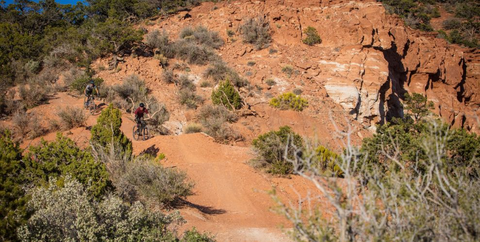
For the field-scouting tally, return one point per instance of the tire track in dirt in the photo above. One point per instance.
(231, 198)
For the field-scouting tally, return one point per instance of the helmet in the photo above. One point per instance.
(142, 105)
(92, 82)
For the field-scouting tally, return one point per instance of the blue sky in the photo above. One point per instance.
(58, 1)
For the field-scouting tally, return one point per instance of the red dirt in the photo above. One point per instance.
(231, 199)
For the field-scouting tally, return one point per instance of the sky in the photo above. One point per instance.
(58, 1)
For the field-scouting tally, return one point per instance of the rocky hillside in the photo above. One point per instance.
(366, 62)
(356, 78)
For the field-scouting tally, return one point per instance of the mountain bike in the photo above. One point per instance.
(140, 129)
(90, 105)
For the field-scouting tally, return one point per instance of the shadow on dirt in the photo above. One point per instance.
(203, 209)
(152, 150)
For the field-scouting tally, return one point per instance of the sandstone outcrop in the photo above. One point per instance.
(366, 62)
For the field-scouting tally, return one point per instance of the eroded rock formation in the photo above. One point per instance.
(366, 62)
(369, 59)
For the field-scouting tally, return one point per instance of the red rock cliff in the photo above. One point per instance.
(366, 63)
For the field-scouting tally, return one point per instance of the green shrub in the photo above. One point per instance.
(312, 36)
(458, 37)
(227, 96)
(289, 101)
(112, 36)
(107, 131)
(272, 147)
(467, 9)
(412, 160)
(186, 33)
(13, 212)
(159, 157)
(65, 213)
(417, 106)
(409, 138)
(62, 157)
(325, 161)
(194, 236)
(72, 117)
(256, 32)
(416, 14)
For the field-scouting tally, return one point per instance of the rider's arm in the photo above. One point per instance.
(135, 114)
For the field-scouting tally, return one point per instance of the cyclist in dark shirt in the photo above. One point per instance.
(89, 91)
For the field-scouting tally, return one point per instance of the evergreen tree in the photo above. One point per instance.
(107, 131)
(12, 196)
(227, 96)
(62, 157)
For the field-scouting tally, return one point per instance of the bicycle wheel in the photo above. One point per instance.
(145, 132)
(136, 134)
(92, 108)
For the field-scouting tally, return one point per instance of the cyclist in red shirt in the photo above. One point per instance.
(139, 112)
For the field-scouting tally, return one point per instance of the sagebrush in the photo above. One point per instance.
(289, 101)
(256, 31)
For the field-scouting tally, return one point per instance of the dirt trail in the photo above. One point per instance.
(231, 198)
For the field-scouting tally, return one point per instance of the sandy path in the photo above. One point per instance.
(230, 199)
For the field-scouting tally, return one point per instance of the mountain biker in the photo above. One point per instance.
(139, 112)
(89, 91)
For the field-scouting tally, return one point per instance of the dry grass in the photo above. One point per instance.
(72, 117)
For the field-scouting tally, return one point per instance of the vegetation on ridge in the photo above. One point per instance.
(463, 28)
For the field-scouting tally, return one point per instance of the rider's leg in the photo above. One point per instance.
(138, 126)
